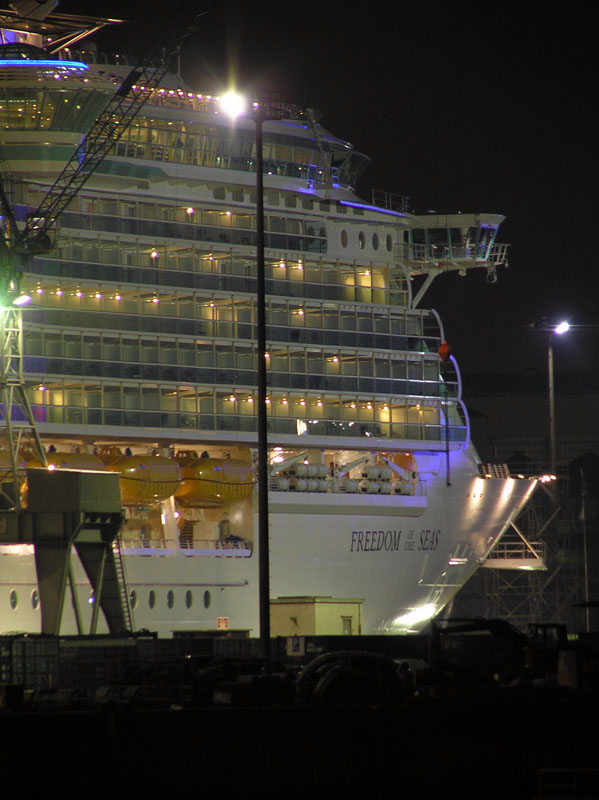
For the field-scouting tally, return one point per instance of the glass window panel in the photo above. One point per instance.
(111, 349)
(168, 399)
(130, 350)
(330, 319)
(131, 397)
(53, 344)
(398, 368)
(348, 364)
(112, 395)
(365, 365)
(92, 347)
(382, 368)
(187, 353)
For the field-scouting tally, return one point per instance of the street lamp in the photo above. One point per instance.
(234, 105)
(552, 330)
(557, 330)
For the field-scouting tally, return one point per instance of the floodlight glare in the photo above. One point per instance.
(21, 300)
(233, 104)
(563, 327)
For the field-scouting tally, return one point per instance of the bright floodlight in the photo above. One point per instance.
(563, 327)
(233, 104)
(21, 300)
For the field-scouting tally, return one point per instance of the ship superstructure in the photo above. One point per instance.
(140, 357)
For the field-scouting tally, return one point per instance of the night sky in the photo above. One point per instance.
(462, 107)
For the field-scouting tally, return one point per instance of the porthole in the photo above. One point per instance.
(375, 241)
(14, 600)
(207, 599)
(133, 598)
(170, 598)
(361, 240)
(389, 242)
(188, 599)
(344, 238)
(35, 599)
(152, 598)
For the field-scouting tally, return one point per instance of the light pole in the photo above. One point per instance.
(558, 330)
(552, 330)
(234, 105)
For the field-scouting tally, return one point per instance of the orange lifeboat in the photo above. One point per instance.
(406, 482)
(146, 479)
(405, 461)
(213, 482)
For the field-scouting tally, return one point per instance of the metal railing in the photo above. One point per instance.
(231, 544)
(495, 254)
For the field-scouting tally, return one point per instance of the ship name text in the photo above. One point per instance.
(375, 540)
(370, 541)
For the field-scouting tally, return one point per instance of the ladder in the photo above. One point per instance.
(122, 581)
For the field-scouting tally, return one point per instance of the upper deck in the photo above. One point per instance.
(144, 312)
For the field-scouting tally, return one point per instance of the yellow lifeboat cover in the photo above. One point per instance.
(214, 482)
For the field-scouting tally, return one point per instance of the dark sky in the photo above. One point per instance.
(463, 107)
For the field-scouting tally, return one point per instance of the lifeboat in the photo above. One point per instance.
(146, 479)
(407, 481)
(212, 482)
(405, 461)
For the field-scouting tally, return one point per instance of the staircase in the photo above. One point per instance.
(122, 581)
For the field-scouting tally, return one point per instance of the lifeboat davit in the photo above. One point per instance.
(213, 482)
(146, 479)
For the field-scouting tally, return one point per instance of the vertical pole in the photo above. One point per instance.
(447, 457)
(551, 389)
(583, 515)
(263, 554)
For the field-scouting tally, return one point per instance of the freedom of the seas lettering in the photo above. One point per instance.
(369, 541)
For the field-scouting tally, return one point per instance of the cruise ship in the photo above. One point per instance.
(140, 358)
